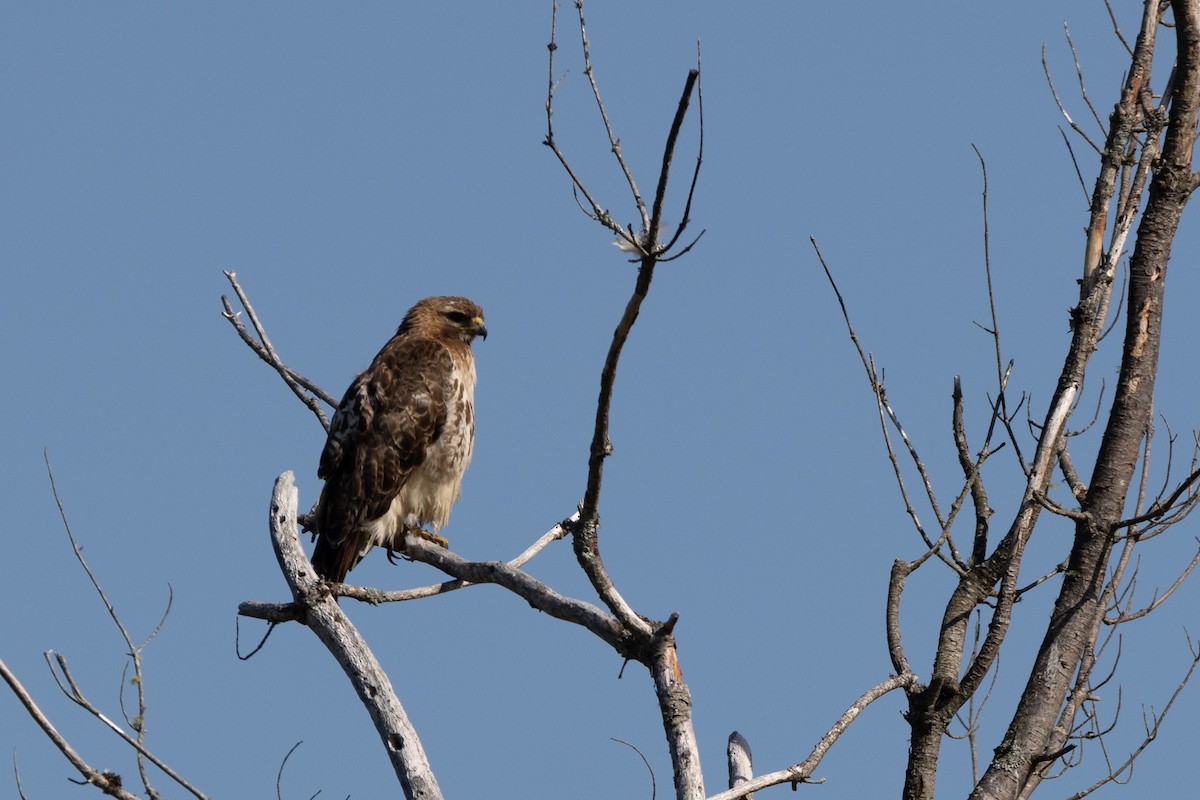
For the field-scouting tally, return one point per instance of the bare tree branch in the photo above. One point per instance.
(308, 392)
(1159, 599)
(1126, 767)
(138, 722)
(1082, 85)
(613, 141)
(333, 628)
(886, 414)
(597, 213)
(1062, 109)
(741, 763)
(528, 588)
(1076, 613)
(282, 765)
(107, 782)
(646, 761)
(802, 772)
(71, 689)
(287, 612)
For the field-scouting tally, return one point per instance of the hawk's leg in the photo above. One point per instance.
(440, 541)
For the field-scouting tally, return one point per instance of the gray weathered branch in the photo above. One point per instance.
(333, 628)
(741, 762)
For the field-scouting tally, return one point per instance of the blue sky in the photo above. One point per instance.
(349, 160)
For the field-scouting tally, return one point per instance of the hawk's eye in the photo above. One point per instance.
(457, 317)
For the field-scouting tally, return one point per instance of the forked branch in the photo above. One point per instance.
(309, 393)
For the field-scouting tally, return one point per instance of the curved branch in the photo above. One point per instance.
(341, 638)
(584, 534)
(900, 572)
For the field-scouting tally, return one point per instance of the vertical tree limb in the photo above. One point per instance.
(1078, 609)
(741, 763)
(675, 703)
(326, 619)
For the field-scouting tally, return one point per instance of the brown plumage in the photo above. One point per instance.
(401, 438)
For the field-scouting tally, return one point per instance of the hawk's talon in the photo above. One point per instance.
(440, 541)
(393, 555)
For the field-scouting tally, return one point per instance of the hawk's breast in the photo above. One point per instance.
(434, 485)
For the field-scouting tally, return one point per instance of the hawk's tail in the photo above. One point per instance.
(329, 561)
(332, 556)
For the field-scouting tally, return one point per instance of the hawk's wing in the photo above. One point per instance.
(380, 433)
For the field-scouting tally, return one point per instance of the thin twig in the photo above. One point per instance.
(687, 206)
(17, 777)
(134, 651)
(1062, 109)
(307, 391)
(108, 782)
(886, 413)
(1075, 163)
(613, 141)
(71, 690)
(649, 769)
(1151, 734)
(1158, 599)
(597, 213)
(1117, 28)
(282, 764)
(1082, 86)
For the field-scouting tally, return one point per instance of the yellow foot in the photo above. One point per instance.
(440, 541)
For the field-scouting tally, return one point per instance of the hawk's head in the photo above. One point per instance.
(445, 318)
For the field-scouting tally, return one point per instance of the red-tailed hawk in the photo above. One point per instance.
(401, 438)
